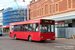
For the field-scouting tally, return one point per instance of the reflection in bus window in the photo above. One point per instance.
(52, 28)
(35, 27)
(15, 28)
(49, 28)
(45, 28)
(29, 27)
(25, 28)
(20, 28)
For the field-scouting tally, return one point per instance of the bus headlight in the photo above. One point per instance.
(41, 37)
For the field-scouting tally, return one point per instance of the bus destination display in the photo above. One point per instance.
(48, 21)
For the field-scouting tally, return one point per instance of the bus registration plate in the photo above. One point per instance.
(48, 39)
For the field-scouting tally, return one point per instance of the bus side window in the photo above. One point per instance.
(29, 27)
(16, 28)
(20, 28)
(35, 27)
(25, 28)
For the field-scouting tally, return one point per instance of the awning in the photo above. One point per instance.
(7, 26)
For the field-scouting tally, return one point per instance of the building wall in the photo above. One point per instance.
(14, 15)
(1, 17)
(45, 8)
(1, 21)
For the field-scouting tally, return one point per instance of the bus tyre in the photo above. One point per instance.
(29, 38)
(15, 37)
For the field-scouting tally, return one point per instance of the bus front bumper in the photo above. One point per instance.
(46, 39)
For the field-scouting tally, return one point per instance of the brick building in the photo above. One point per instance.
(62, 11)
(43, 8)
(59, 10)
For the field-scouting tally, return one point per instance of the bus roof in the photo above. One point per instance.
(28, 22)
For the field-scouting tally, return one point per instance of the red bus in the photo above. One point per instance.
(33, 30)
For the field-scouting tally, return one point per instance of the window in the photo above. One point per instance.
(25, 28)
(37, 12)
(60, 25)
(51, 9)
(15, 28)
(69, 4)
(52, 28)
(66, 25)
(36, 0)
(11, 27)
(20, 28)
(56, 7)
(49, 28)
(56, 26)
(42, 11)
(35, 27)
(63, 25)
(31, 14)
(45, 28)
(46, 9)
(29, 27)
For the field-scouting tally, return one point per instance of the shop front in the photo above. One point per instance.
(65, 28)
(6, 29)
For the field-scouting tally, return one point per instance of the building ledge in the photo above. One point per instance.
(64, 16)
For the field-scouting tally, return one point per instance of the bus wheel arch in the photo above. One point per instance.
(15, 37)
(29, 38)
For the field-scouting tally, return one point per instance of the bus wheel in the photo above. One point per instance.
(29, 38)
(15, 37)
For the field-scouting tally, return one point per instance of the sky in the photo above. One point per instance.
(10, 3)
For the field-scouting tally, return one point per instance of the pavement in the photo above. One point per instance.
(65, 41)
